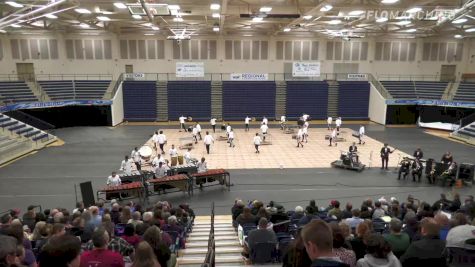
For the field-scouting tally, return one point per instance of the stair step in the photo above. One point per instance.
(216, 233)
(229, 259)
(198, 244)
(217, 238)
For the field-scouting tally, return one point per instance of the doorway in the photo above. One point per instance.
(25, 71)
(129, 68)
(447, 73)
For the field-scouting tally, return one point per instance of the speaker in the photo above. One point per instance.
(466, 172)
(87, 194)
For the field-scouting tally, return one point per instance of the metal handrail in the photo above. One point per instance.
(408, 77)
(379, 86)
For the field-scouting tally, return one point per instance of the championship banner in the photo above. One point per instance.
(357, 76)
(190, 69)
(430, 103)
(249, 76)
(306, 69)
(35, 105)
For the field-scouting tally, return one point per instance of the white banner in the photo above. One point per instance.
(134, 76)
(249, 76)
(190, 69)
(306, 69)
(357, 76)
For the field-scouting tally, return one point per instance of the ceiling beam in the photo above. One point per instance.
(222, 18)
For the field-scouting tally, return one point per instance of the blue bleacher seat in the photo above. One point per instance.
(465, 92)
(16, 92)
(400, 89)
(250, 98)
(189, 98)
(430, 90)
(353, 99)
(140, 100)
(310, 97)
(75, 89)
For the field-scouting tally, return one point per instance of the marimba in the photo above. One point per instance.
(220, 175)
(179, 181)
(130, 190)
(187, 169)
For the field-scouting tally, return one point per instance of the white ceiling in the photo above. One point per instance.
(286, 18)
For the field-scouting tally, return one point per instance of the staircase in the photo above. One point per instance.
(217, 99)
(162, 100)
(465, 134)
(332, 109)
(228, 249)
(38, 91)
(280, 99)
(450, 91)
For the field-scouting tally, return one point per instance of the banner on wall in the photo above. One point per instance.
(430, 103)
(306, 69)
(357, 76)
(134, 76)
(52, 104)
(190, 69)
(249, 76)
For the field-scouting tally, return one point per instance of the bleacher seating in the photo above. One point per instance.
(140, 100)
(465, 92)
(75, 89)
(310, 97)
(468, 130)
(15, 92)
(19, 128)
(400, 89)
(254, 99)
(430, 90)
(353, 99)
(189, 98)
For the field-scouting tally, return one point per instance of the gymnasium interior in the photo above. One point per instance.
(83, 83)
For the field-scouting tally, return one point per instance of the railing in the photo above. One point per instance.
(116, 85)
(60, 77)
(379, 86)
(210, 255)
(467, 120)
(31, 120)
(405, 77)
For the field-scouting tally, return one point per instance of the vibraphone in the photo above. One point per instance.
(220, 175)
(182, 182)
(182, 169)
(123, 191)
(137, 176)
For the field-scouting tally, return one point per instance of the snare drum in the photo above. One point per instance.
(146, 152)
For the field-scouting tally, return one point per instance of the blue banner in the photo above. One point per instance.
(446, 103)
(52, 104)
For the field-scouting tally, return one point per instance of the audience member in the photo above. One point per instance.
(101, 255)
(246, 217)
(297, 215)
(378, 253)
(399, 241)
(8, 251)
(358, 243)
(443, 221)
(153, 237)
(347, 213)
(296, 254)
(378, 210)
(130, 236)
(260, 235)
(355, 219)
(61, 251)
(341, 247)
(335, 210)
(144, 256)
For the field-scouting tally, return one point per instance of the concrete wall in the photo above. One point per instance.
(377, 106)
(116, 65)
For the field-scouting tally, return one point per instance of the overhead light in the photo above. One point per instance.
(215, 6)
(105, 12)
(148, 24)
(13, 4)
(15, 25)
(356, 13)
(149, 34)
(458, 21)
(173, 7)
(257, 19)
(135, 16)
(51, 16)
(382, 19)
(326, 8)
(103, 18)
(458, 36)
(120, 5)
(265, 9)
(247, 35)
(403, 22)
(82, 11)
(216, 15)
(414, 10)
(3, 31)
(470, 30)
(155, 28)
(84, 26)
(411, 30)
(216, 28)
(307, 17)
(334, 22)
(247, 27)
(178, 19)
(286, 29)
(389, 1)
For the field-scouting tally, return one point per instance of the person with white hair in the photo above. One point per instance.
(298, 214)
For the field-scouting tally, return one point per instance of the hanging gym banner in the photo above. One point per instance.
(306, 69)
(190, 69)
(52, 104)
(249, 76)
(430, 103)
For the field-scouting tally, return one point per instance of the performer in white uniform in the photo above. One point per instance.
(161, 140)
(114, 180)
(265, 120)
(195, 134)
(161, 170)
(329, 123)
(213, 124)
(198, 127)
(231, 138)
(257, 142)
(300, 136)
(154, 140)
(228, 129)
(282, 122)
(173, 152)
(208, 140)
(338, 124)
(264, 129)
(126, 165)
(187, 156)
(305, 117)
(135, 156)
(305, 131)
(246, 123)
(361, 135)
(182, 122)
(333, 137)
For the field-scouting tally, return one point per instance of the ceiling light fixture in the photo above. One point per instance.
(173, 7)
(265, 9)
(149, 34)
(216, 28)
(403, 22)
(120, 5)
(178, 19)
(84, 26)
(135, 16)
(148, 24)
(381, 20)
(51, 16)
(411, 30)
(103, 18)
(257, 19)
(388, 2)
(247, 35)
(216, 15)
(3, 31)
(470, 30)
(215, 6)
(15, 25)
(307, 17)
(286, 29)
(82, 11)
(13, 4)
(414, 10)
(458, 36)
(334, 22)
(326, 8)
(458, 21)
(356, 13)
(155, 28)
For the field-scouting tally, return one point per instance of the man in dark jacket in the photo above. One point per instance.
(429, 251)
(318, 240)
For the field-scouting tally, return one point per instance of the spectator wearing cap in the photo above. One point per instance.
(61, 251)
(101, 255)
(335, 211)
(429, 251)
(347, 212)
(318, 240)
(378, 253)
(399, 241)
(260, 235)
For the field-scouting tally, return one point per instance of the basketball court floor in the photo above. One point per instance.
(281, 172)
